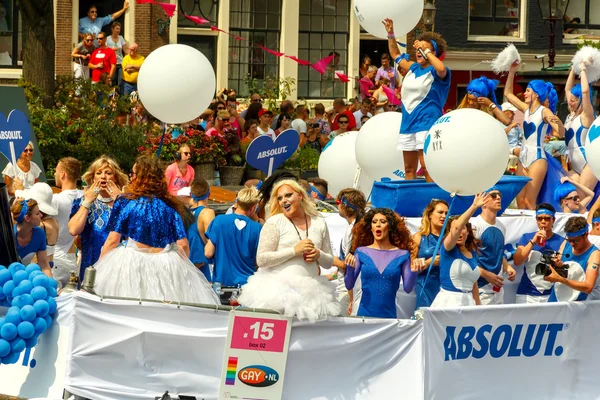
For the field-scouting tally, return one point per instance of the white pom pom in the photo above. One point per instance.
(590, 57)
(505, 59)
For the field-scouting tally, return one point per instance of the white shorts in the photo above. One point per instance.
(491, 298)
(528, 299)
(411, 141)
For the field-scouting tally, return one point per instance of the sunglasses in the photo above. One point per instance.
(575, 240)
(495, 196)
(256, 101)
(89, 40)
(28, 151)
(343, 122)
(543, 218)
(574, 198)
(186, 153)
(220, 108)
(101, 38)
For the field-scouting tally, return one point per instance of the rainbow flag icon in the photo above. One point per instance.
(232, 364)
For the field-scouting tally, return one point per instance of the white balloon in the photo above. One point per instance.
(405, 14)
(376, 147)
(176, 83)
(466, 151)
(338, 166)
(592, 147)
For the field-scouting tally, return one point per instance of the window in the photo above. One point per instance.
(324, 27)
(581, 20)
(10, 34)
(497, 20)
(207, 9)
(207, 45)
(257, 22)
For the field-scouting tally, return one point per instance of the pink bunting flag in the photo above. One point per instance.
(214, 28)
(144, 1)
(238, 38)
(298, 60)
(343, 77)
(365, 86)
(275, 53)
(168, 8)
(321, 65)
(196, 20)
(391, 95)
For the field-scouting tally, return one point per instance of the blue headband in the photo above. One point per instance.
(199, 198)
(24, 209)
(597, 219)
(259, 185)
(435, 47)
(315, 191)
(347, 203)
(580, 232)
(545, 211)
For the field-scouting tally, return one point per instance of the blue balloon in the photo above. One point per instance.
(26, 286)
(28, 299)
(5, 276)
(18, 301)
(52, 292)
(26, 330)
(53, 283)
(34, 274)
(2, 267)
(11, 358)
(2, 320)
(13, 316)
(48, 320)
(40, 325)
(41, 280)
(17, 345)
(8, 288)
(32, 341)
(4, 347)
(32, 267)
(20, 276)
(39, 293)
(2, 295)
(8, 331)
(28, 313)
(51, 305)
(12, 268)
(41, 308)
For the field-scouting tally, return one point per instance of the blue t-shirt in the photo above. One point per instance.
(457, 272)
(87, 26)
(37, 243)
(424, 94)
(235, 238)
(532, 284)
(492, 246)
(427, 287)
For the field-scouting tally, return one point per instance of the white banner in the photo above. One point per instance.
(125, 350)
(513, 352)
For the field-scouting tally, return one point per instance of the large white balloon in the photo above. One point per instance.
(176, 83)
(592, 147)
(338, 166)
(405, 14)
(376, 147)
(466, 151)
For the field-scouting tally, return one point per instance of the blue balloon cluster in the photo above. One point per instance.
(29, 294)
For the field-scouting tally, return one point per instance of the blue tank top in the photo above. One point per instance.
(197, 244)
(577, 270)
(457, 272)
(532, 284)
(426, 290)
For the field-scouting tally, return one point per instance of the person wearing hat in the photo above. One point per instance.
(264, 128)
(513, 129)
(42, 193)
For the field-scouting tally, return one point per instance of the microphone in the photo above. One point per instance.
(423, 54)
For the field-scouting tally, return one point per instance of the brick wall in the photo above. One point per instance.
(146, 28)
(64, 41)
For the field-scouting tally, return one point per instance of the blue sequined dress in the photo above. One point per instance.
(161, 272)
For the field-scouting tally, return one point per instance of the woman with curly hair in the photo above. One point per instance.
(89, 214)
(382, 247)
(424, 92)
(153, 263)
(459, 265)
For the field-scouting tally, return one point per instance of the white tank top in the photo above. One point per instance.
(534, 127)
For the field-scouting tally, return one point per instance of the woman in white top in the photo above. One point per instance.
(116, 42)
(27, 172)
(379, 94)
(293, 243)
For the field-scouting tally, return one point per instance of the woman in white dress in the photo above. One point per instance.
(293, 243)
(27, 172)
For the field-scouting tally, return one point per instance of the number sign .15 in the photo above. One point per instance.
(258, 334)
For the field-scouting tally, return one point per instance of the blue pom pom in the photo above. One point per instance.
(26, 330)
(5, 276)
(8, 288)
(53, 283)
(41, 308)
(28, 313)
(20, 276)
(39, 293)
(41, 280)
(40, 326)
(11, 358)
(17, 345)
(48, 320)
(26, 286)
(34, 274)
(51, 305)
(13, 316)
(32, 267)
(8, 331)
(4, 348)
(32, 341)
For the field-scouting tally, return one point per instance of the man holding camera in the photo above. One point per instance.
(535, 248)
(575, 274)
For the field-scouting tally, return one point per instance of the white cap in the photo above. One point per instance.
(42, 193)
(508, 106)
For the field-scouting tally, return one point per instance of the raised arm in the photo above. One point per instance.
(435, 62)
(588, 193)
(458, 224)
(393, 45)
(587, 116)
(570, 83)
(121, 11)
(509, 89)
(595, 207)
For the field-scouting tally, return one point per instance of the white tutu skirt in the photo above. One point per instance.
(129, 271)
(292, 292)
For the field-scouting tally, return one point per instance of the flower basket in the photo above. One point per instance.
(231, 175)
(206, 170)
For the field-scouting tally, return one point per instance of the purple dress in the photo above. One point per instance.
(381, 272)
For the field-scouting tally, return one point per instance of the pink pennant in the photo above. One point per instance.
(391, 95)
(196, 20)
(168, 8)
(365, 86)
(298, 60)
(275, 53)
(144, 1)
(343, 77)
(238, 38)
(321, 65)
(214, 28)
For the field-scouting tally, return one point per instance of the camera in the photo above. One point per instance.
(543, 267)
(313, 124)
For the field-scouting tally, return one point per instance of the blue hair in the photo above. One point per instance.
(578, 92)
(540, 88)
(562, 190)
(552, 99)
(483, 87)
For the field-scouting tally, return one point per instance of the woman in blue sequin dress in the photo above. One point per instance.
(90, 213)
(153, 262)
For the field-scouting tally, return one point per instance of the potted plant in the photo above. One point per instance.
(308, 158)
(233, 171)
